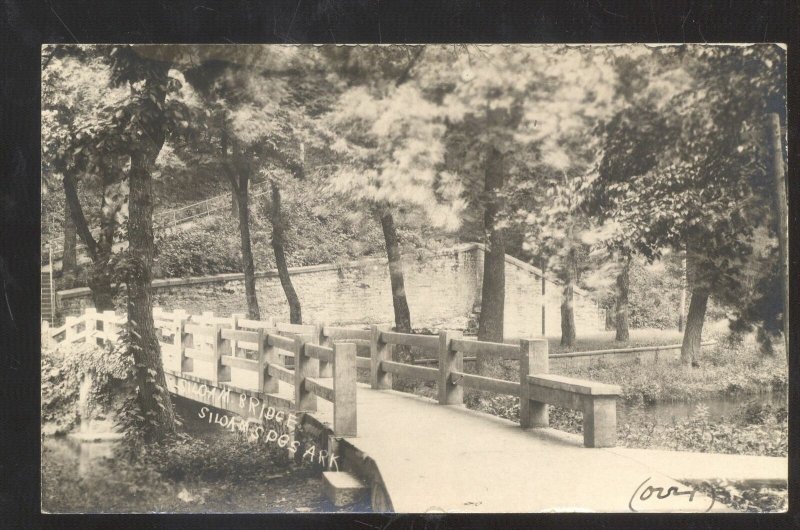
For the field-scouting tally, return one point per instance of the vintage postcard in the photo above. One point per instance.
(432, 278)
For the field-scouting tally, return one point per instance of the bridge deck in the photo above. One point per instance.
(435, 458)
(449, 458)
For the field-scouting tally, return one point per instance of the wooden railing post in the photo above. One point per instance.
(69, 331)
(178, 344)
(449, 361)
(219, 373)
(533, 359)
(235, 325)
(110, 325)
(303, 399)
(269, 384)
(344, 389)
(47, 341)
(90, 315)
(187, 340)
(325, 368)
(379, 351)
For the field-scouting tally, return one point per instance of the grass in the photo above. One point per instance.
(725, 369)
(604, 340)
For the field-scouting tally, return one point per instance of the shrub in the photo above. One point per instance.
(63, 370)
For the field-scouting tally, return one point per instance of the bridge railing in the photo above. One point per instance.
(266, 346)
(324, 363)
(536, 387)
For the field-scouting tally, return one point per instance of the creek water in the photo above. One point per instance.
(718, 407)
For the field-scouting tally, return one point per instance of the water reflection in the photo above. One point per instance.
(718, 407)
(86, 459)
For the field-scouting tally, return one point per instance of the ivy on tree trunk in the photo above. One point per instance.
(153, 399)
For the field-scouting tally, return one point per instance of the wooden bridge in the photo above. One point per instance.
(413, 454)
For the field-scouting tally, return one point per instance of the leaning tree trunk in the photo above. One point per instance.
(690, 349)
(248, 267)
(234, 205)
(621, 305)
(69, 258)
(402, 315)
(278, 237)
(491, 319)
(100, 275)
(238, 173)
(99, 280)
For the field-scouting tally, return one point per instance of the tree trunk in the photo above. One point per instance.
(248, 267)
(490, 324)
(491, 320)
(153, 398)
(568, 315)
(234, 205)
(102, 292)
(238, 174)
(568, 297)
(690, 349)
(99, 280)
(781, 212)
(78, 218)
(402, 315)
(154, 401)
(621, 306)
(100, 275)
(684, 283)
(278, 236)
(69, 259)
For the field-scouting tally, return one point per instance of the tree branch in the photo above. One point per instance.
(406, 75)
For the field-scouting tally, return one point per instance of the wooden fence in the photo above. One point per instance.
(325, 362)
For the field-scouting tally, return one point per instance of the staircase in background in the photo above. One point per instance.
(48, 300)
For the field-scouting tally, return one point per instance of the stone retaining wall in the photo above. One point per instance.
(443, 290)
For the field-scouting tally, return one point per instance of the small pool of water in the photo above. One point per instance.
(718, 407)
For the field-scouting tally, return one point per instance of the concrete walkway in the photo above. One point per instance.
(437, 458)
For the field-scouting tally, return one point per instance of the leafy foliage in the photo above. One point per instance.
(63, 370)
(693, 138)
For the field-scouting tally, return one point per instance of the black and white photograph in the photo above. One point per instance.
(422, 278)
